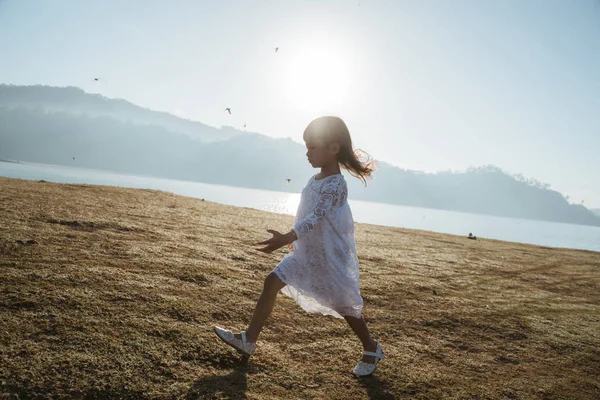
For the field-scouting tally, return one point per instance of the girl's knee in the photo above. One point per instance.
(273, 283)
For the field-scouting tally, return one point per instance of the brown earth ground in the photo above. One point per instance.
(118, 296)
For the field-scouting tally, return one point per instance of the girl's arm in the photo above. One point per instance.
(333, 193)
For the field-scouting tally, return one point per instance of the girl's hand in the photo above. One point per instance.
(277, 241)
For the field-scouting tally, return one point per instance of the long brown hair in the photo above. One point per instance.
(334, 130)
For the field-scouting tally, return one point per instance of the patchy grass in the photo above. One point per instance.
(118, 296)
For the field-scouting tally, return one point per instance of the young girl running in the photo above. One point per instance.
(321, 274)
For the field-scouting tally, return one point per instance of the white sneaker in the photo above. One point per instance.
(365, 369)
(242, 346)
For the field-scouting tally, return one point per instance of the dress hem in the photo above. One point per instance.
(333, 313)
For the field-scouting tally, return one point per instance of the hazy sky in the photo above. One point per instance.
(426, 85)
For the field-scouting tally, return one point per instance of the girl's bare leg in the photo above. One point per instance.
(264, 306)
(359, 326)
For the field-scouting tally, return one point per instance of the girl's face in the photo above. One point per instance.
(320, 154)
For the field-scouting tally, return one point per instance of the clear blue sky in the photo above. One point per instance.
(425, 85)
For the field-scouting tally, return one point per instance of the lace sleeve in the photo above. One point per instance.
(332, 194)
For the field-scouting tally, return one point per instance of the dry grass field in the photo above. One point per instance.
(117, 297)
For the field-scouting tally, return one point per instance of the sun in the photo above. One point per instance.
(317, 77)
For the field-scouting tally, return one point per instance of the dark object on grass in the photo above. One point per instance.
(472, 237)
(30, 242)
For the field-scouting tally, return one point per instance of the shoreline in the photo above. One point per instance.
(587, 233)
(127, 174)
(273, 190)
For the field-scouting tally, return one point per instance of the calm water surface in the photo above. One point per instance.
(510, 229)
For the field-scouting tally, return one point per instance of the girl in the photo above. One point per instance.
(321, 274)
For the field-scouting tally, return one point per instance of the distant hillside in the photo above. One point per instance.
(596, 211)
(75, 101)
(252, 160)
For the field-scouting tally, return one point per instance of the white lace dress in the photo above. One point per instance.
(322, 272)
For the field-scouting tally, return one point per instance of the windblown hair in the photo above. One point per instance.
(334, 130)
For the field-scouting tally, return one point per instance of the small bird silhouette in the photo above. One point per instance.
(288, 181)
(276, 49)
(228, 110)
(244, 124)
(73, 158)
(96, 79)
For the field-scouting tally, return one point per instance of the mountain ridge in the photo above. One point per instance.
(50, 131)
(76, 101)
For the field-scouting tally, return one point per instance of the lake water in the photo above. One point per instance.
(543, 233)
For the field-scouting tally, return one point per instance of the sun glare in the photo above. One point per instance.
(292, 204)
(316, 78)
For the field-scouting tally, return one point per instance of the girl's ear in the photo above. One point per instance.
(334, 148)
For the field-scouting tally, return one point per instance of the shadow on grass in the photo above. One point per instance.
(376, 388)
(232, 385)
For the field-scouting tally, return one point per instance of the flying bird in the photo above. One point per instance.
(244, 124)
(96, 79)
(228, 110)
(276, 49)
(288, 181)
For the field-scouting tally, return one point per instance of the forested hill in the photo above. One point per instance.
(75, 101)
(66, 126)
